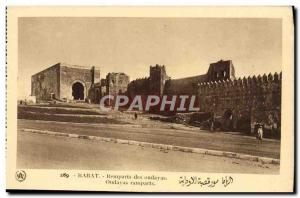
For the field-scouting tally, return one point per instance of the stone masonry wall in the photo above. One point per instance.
(253, 99)
(159, 83)
(46, 82)
(71, 74)
(184, 86)
(138, 87)
(116, 83)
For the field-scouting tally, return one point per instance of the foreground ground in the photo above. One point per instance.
(43, 151)
(155, 134)
(40, 151)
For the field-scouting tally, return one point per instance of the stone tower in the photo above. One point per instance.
(221, 70)
(158, 77)
(95, 74)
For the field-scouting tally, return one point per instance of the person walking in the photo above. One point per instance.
(260, 132)
(135, 115)
(212, 123)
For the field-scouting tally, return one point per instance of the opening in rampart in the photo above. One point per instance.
(78, 91)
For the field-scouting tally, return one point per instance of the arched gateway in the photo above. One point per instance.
(78, 91)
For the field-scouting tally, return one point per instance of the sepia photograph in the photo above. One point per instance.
(160, 94)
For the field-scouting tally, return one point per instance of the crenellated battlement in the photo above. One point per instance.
(250, 80)
(239, 102)
(139, 86)
(248, 99)
(138, 81)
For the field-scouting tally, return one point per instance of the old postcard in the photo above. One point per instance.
(150, 99)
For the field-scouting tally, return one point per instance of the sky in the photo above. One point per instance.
(186, 46)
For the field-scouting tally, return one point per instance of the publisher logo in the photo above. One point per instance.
(20, 175)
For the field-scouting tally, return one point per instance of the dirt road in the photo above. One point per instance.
(155, 134)
(44, 151)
